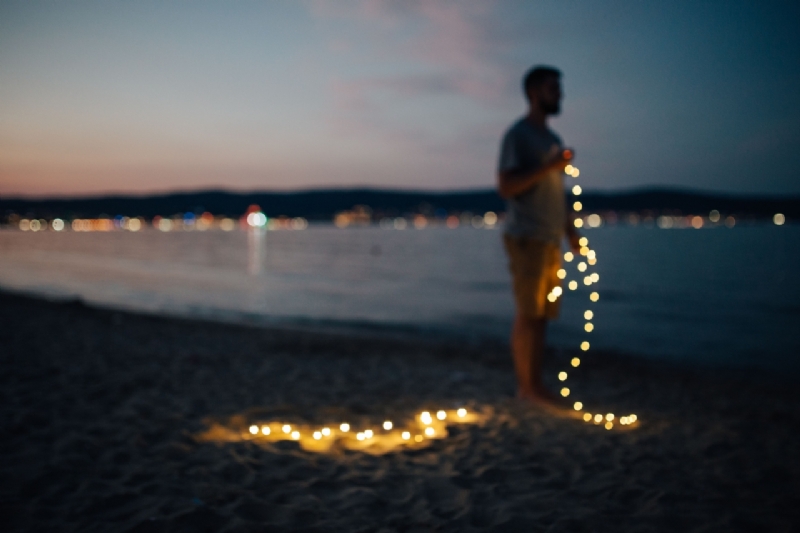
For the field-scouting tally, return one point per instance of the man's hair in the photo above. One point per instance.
(536, 76)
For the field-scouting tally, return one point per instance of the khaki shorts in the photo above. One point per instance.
(534, 268)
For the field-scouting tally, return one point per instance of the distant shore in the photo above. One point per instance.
(102, 410)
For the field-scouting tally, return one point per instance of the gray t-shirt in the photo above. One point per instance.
(540, 211)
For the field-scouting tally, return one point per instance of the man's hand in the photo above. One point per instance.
(512, 183)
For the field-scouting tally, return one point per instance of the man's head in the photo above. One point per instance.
(542, 87)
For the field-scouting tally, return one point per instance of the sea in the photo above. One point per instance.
(715, 296)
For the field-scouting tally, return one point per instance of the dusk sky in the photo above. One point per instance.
(99, 97)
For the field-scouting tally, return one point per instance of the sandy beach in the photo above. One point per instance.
(106, 418)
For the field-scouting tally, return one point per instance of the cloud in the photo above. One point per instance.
(444, 56)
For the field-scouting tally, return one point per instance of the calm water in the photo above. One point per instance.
(715, 296)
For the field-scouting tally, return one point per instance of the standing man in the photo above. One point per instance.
(530, 178)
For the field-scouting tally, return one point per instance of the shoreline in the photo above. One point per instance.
(407, 334)
(102, 408)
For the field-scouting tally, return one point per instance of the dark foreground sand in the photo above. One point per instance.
(101, 411)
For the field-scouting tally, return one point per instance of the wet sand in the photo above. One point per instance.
(104, 413)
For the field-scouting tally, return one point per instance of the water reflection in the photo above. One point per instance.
(256, 247)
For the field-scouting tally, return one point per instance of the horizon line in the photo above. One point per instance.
(365, 188)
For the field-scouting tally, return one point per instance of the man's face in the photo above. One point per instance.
(548, 96)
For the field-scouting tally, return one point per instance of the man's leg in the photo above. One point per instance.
(527, 347)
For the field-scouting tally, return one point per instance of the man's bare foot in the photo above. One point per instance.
(541, 397)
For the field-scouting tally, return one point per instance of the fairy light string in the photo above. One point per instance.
(585, 265)
(430, 426)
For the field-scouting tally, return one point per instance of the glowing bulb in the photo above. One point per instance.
(568, 169)
(576, 172)
(610, 417)
(623, 420)
(387, 425)
(582, 267)
(576, 190)
(573, 285)
(587, 280)
(779, 219)
(585, 346)
(296, 435)
(345, 428)
(632, 418)
(595, 277)
(418, 438)
(406, 435)
(578, 223)
(575, 362)
(577, 406)
(558, 291)
(583, 241)
(588, 314)
(562, 376)
(565, 392)
(568, 257)
(368, 433)
(326, 432)
(577, 206)
(441, 415)
(287, 428)
(598, 418)
(591, 254)
(429, 432)
(360, 436)
(588, 327)
(425, 417)
(609, 425)
(461, 412)
(265, 430)
(561, 273)
(594, 296)
(592, 261)
(253, 429)
(552, 297)
(317, 435)
(584, 250)
(587, 417)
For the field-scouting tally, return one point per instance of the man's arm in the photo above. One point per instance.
(513, 182)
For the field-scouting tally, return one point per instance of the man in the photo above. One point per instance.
(530, 177)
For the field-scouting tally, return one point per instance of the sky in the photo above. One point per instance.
(147, 97)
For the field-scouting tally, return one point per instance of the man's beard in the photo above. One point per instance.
(549, 108)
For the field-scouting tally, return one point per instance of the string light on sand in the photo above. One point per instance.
(584, 268)
(419, 429)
